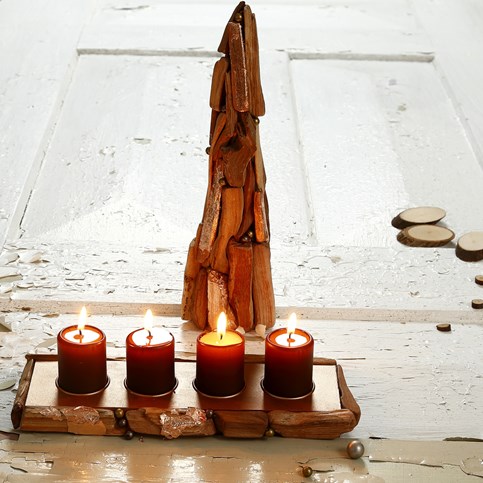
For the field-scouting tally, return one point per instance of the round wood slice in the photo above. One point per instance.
(470, 247)
(425, 236)
(479, 279)
(422, 215)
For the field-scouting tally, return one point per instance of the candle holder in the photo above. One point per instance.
(287, 398)
(82, 393)
(130, 391)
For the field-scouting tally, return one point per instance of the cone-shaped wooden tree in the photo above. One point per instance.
(228, 267)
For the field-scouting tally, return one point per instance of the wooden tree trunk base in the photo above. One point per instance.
(327, 413)
(470, 247)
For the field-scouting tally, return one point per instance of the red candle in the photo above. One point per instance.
(220, 357)
(289, 357)
(82, 358)
(150, 360)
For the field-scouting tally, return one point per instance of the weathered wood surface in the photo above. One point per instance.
(238, 210)
(184, 412)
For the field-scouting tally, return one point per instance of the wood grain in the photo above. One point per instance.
(263, 298)
(239, 77)
(217, 94)
(256, 100)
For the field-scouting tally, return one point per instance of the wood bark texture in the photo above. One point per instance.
(228, 267)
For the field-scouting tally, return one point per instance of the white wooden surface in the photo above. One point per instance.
(372, 107)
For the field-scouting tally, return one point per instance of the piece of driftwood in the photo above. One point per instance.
(425, 236)
(421, 215)
(218, 84)
(256, 101)
(325, 414)
(236, 205)
(470, 247)
(240, 257)
(231, 216)
(199, 309)
(263, 297)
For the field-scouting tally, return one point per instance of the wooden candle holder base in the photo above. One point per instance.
(325, 414)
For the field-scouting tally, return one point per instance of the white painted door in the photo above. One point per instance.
(372, 107)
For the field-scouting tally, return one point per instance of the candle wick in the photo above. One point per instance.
(150, 337)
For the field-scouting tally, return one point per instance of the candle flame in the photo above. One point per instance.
(291, 324)
(221, 325)
(148, 321)
(82, 319)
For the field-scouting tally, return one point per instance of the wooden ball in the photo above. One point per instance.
(355, 449)
(122, 423)
(269, 433)
(238, 17)
(129, 435)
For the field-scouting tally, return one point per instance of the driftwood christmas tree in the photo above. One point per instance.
(228, 266)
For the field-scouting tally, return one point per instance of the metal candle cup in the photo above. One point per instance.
(82, 360)
(288, 368)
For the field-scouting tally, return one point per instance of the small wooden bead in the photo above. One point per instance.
(256, 120)
(238, 17)
(269, 433)
(129, 435)
(209, 413)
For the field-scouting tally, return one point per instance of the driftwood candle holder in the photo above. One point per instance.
(228, 266)
(325, 414)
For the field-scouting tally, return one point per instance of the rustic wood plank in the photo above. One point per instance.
(260, 175)
(22, 391)
(218, 300)
(248, 194)
(217, 94)
(312, 424)
(240, 257)
(256, 100)
(263, 298)
(199, 311)
(346, 398)
(231, 114)
(224, 44)
(236, 424)
(239, 152)
(260, 216)
(239, 78)
(231, 216)
(191, 271)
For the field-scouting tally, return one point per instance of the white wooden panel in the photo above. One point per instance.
(455, 30)
(37, 52)
(406, 284)
(127, 160)
(379, 137)
(375, 26)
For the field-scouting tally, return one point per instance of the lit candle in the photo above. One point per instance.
(150, 360)
(82, 358)
(289, 357)
(220, 357)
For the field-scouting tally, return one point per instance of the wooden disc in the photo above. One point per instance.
(444, 327)
(479, 279)
(470, 247)
(422, 215)
(425, 236)
(477, 303)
